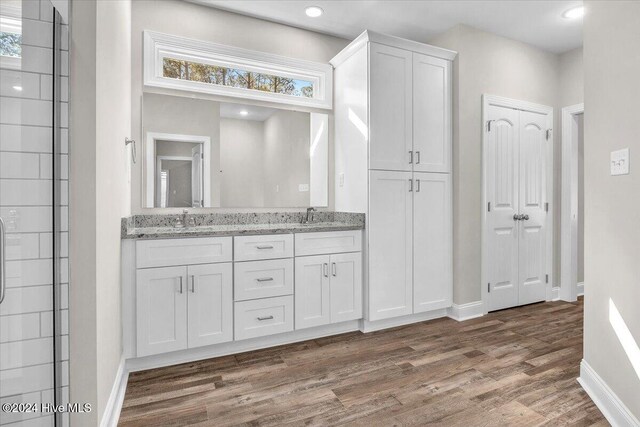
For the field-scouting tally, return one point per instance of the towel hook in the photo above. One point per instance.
(128, 141)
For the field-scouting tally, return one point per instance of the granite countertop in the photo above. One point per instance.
(161, 226)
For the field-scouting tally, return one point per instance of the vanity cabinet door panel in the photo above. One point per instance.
(390, 292)
(432, 241)
(161, 310)
(312, 291)
(390, 103)
(210, 296)
(346, 287)
(431, 114)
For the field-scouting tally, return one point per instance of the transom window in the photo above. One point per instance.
(197, 66)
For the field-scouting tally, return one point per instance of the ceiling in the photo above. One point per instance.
(537, 22)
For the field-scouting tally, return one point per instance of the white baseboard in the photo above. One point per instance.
(555, 293)
(217, 350)
(580, 289)
(111, 413)
(377, 325)
(605, 399)
(470, 310)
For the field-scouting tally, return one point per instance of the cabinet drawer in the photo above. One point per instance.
(170, 252)
(262, 317)
(331, 242)
(251, 248)
(263, 279)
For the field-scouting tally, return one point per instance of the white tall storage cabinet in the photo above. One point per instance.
(393, 161)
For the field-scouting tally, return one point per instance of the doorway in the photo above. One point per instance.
(517, 190)
(572, 225)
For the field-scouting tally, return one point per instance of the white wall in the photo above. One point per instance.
(486, 63)
(242, 160)
(100, 120)
(203, 23)
(612, 270)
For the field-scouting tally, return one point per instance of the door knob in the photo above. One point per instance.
(525, 217)
(516, 217)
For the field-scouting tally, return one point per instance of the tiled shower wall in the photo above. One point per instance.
(26, 204)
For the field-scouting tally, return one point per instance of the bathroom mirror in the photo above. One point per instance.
(203, 153)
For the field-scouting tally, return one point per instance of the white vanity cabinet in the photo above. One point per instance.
(393, 139)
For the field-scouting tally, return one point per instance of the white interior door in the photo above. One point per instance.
(516, 194)
(390, 112)
(390, 244)
(502, 198)
(533, 196)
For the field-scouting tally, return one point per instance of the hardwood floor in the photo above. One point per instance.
(513, 367)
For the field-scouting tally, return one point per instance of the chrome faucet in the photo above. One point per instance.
(184, 220)
(309, 216)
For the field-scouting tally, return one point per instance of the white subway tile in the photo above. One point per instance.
(33, 272)
(64, 166)
(26, 300)
(64, 37)
(19, 165)
(64, 296)
(30, 112)
(64, 115)
(37, 33)
(19, 327)
(26, 138)
(25, 192)
(46, 245)
(26, 353)
(46, 166)
(64, 141)
(20, 85)
(64, 322)
(46, 86)
(64, 63)
(64, 270)
(46, 324)
(43, 421)
(31, 9)
(37, 59)
(64, 351)
(46, 11)
(25, 380)
(64, 89)
(15, 417)
(64, 218)
(64, 367)
(64, 191)
(22, 246)
(27, 219)
(64, 245)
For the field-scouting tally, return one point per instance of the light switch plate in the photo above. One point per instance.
(620, 162)
(341, 180)
(303, 187)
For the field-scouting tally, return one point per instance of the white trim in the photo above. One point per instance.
(580, 289)
(605, 399)
(158, 46)
(150, 164)
(569, 225)
(493, 100)
(377, 325)
(371, 36)
(200, 353)
(555, 293)
(462, 312)
(112, 410)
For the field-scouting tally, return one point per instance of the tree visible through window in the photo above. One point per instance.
(10, 44)
(193, 71)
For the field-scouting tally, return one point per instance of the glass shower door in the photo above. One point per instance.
(30, 356)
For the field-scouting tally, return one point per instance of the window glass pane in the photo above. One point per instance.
(193, 71)
(10, 44)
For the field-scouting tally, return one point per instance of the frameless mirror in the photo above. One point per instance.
(203, 153)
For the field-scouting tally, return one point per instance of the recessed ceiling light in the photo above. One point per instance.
(574, 13)
(18, 88)
(244, 113)
(313, 11)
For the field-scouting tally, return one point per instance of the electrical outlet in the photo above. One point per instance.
(620, 162)
(341, 180)
(303, 187)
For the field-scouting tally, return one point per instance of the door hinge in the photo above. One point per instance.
(489, 207)
(202, 156)
(489, 287)
(549, 133)
(546, 278)
(546, 207)
(489, 125)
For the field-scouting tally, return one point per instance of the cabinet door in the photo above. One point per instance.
(161, 310)
(432, 241)
(431, 114)
(346, 287)
(312, 291)
(210, 290)
(390, 105)
(390, 244)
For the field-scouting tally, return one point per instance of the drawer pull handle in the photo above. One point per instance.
(325, 269)
(265, 318)
(265, 279)
(265, 247)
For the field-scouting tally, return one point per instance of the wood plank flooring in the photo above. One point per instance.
(513, 367)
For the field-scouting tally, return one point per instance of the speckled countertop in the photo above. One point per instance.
(161, 226)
